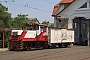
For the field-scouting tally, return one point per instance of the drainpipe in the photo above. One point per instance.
(88, 33)
(88, 4)
(55, 22)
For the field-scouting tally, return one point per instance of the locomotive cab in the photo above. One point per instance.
(37, 27)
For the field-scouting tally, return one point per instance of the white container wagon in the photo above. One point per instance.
(60, 37)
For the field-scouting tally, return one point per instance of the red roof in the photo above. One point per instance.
(61, 2)
(67, 1)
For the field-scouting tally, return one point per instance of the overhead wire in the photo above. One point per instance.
(49, 2)
(3, 1)
(26, 5)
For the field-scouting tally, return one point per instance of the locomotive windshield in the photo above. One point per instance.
(32, 27)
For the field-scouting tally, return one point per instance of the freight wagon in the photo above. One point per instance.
(61, 37)
(39, 36)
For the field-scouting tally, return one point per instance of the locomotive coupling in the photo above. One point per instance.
(71, 44)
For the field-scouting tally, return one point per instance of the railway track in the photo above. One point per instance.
(73, 53)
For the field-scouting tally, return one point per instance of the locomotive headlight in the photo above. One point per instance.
(14, 33)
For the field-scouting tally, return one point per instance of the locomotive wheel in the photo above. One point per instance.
(53, 45)
(31, 49)
(29, 46)
(59, 45)
(41, 47)
(64, 45)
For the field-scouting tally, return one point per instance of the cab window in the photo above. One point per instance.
(41, 28)
(32, 27)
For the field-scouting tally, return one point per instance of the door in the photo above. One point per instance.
(80, 28)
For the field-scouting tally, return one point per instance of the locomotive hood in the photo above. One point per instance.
(18, 32)
(24, 33)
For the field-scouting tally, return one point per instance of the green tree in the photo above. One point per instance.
(36, 20)
(48, 24)
(4, 16)
(1, 24)
(52, 25)
(19, 21)
(45, 22)
(33, 20)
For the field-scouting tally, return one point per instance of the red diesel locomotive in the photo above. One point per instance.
(35, 36)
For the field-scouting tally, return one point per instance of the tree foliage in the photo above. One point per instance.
(1, 24)
(45, 22)
(4, 16)
(19, 21)
(52, 25)
(48, 24)
(33, 20)
(6, 21)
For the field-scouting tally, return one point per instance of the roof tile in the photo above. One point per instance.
(61, 2)
(66, 1)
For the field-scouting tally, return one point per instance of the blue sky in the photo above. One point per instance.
(19, 7)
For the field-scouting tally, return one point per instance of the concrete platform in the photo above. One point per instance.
(3, 49)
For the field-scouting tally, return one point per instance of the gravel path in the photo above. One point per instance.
(73, 53)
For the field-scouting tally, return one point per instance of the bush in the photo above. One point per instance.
(5, 43)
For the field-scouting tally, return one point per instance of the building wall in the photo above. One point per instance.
(72, 7)
(61, 7)
(62, 23)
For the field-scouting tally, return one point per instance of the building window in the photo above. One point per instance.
(75, 25)
(59, 20)
(85, 30)
(65, 5)
(84, 6)
(89, 4)
(84, 25)
(41, 28)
